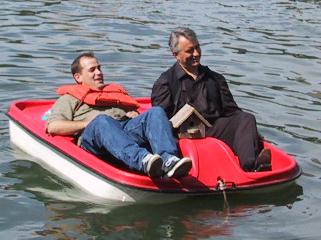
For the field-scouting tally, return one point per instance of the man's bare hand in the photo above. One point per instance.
(132, 114)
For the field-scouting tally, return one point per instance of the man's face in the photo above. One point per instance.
(90, 74)
(189, 54)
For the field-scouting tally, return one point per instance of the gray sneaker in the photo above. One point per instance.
(176, 168)
(153, 165)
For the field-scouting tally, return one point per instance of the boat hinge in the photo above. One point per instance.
(222, 186)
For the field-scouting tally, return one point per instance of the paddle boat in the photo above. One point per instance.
(215, 168)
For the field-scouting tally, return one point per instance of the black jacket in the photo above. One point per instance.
(209, 94)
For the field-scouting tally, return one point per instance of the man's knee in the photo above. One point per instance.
(246, 117)
(157, 111)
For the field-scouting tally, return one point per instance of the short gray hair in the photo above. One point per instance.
(180, 31)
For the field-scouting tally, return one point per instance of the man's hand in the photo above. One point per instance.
(132, 114)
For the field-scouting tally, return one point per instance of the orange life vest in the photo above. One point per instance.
(110, 95)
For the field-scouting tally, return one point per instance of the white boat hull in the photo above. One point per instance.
(81, 177)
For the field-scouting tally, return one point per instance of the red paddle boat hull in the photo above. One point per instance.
(215, 167)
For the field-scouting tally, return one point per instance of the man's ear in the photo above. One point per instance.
(175, 56)
(77, 78)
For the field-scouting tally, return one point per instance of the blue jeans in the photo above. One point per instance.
(127, 140)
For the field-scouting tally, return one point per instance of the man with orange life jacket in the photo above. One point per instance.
(104, 117)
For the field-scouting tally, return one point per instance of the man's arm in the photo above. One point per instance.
(66, 127)
(161, 95)
(228, 103)
(60, 121)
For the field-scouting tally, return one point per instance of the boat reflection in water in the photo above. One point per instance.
(72, 214)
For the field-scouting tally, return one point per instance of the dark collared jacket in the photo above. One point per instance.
(209, 94)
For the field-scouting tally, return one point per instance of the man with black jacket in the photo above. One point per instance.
(187, 81)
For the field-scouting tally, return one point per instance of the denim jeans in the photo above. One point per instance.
(127, 140)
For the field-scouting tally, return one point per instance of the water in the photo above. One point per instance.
(270, 53)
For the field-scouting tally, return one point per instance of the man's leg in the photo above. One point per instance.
(153, 127)
(105, 134)
(239, 131)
